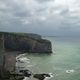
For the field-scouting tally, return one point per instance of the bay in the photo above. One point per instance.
(65, 57)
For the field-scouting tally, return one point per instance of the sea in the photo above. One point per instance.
(64, 62)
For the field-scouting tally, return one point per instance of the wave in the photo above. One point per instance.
(70, 71)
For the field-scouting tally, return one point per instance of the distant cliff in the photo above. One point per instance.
(24, 42)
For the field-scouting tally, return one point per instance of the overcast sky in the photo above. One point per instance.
(46, 17)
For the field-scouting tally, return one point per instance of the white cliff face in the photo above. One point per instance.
(26, 43)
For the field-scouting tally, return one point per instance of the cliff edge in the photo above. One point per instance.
(24, 42)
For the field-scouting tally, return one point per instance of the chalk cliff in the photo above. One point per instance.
(24, 42)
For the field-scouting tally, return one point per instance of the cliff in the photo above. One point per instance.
(24, 42)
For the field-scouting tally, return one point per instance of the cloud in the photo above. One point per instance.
(39, 15)
(41, 1)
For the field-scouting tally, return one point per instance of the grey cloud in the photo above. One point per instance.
(21, 13)
(15, 15)
(65, 12)
(43, 0)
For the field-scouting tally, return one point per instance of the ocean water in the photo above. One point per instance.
(64, 62)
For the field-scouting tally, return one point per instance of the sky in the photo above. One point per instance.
(45, 17)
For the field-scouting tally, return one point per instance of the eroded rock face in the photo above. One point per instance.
(42, 46)
(32, 43)
(4, 74)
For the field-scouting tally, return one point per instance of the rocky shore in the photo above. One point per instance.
(13, 44)
(7, 66)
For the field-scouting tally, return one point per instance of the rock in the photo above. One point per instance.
(31, 43)
(43, 76)
(4, 74)
(8, 62)
(7, 75)
(41, 46)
